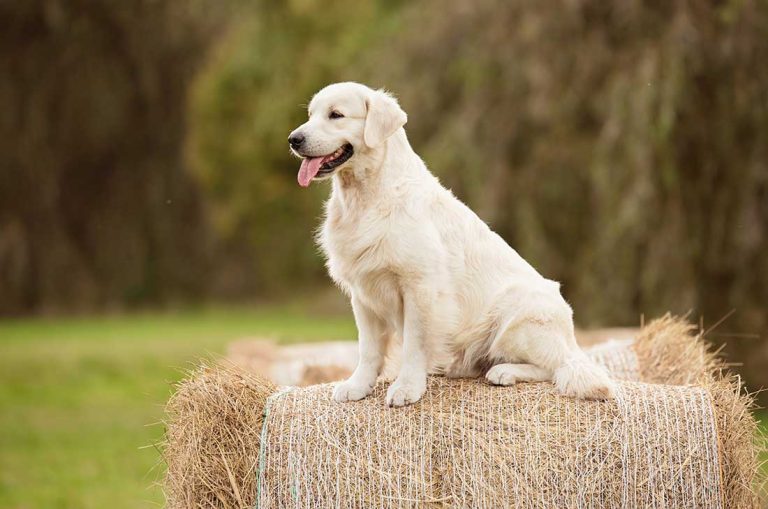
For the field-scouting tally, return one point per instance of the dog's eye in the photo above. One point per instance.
(335, 114)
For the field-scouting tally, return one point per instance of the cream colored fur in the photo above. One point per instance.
(420, 266)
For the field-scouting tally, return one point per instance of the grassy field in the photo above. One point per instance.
(81, 399)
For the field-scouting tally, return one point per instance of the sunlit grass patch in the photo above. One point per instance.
(81, 398)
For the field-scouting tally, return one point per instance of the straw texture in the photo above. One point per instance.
(215, 420)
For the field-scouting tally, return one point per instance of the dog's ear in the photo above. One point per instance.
(384, 117)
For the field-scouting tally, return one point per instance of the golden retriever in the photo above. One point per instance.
(421, 267)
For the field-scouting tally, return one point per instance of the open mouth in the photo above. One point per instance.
(312, 167)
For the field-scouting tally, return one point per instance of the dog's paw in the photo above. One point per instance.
(510, 374)
(403, 393)
(351, 391)
(585, 380)
(501, 375)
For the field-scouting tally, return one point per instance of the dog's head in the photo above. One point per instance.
(345, 121)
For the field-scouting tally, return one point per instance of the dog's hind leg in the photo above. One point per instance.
(546, 344)
(458, 370)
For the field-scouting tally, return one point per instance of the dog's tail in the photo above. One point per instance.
(579, 377)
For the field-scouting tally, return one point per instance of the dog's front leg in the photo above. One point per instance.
(372, 344)
(411, 382)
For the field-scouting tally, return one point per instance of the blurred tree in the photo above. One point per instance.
(95, 206)
(250, 97)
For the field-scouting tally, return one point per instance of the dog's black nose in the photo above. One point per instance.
(296, 140)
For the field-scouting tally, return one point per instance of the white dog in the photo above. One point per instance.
(420, 266)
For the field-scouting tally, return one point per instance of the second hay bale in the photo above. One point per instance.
(669, 351)
(666, 351)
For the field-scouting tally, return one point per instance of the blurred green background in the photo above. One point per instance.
(149, 211)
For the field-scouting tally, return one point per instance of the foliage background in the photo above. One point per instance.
(623, 149)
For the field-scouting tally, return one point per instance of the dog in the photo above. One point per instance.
(420, 267)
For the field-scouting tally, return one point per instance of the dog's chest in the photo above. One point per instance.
(355, 246)
(360, 255)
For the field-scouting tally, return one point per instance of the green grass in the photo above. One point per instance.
(762, 419)
(81, 399)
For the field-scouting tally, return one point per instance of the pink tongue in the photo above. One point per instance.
(309, 168)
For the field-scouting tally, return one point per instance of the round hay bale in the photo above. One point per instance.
(468, 444)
